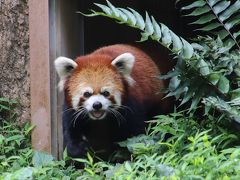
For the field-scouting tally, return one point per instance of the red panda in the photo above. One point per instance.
(109, 95)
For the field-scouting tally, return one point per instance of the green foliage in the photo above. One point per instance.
(209, 67)
(219, 17)
(175, 147)
(19, 161)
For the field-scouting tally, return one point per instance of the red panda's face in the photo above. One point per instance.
(94, 84)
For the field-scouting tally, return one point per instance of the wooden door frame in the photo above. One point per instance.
(55, 30)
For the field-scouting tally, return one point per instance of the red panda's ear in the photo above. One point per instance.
(124, 64)
(64, 67)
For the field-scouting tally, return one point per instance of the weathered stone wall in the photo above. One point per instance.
(14, 55)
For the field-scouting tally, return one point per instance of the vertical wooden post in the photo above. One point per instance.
(55, 30)
(40, 74)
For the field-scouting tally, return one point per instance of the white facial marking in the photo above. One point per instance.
(76, 98)
(88, 104)
(105, 88)
(117, 97)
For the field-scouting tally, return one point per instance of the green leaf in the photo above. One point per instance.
(222, 34)
(139, 18)
(199, 11)
(187, 96)
(213, 2)
(148, 25)
(23, 173)
(174, 83)
(195, 4)
(229, 42)
(236, 34)
(157, 30)
(214, 78)
(203, 67)
(223, 84)
(128, 166)
(166, 36)
(230, 11)
(115, 11)
(221, 6)
(177, 43)
(105, 9)
(187, 51)
(196, 99)
(131, 18)
(232, 22)
(210, 26)
(41, 159)
(204, 19)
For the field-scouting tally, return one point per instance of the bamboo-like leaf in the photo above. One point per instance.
(204, 19)
(166, 36)
(221, 6)
(195, 4)
(131, 18)
(230, 11)
(210, 26)
(199, 11)
(140, 20)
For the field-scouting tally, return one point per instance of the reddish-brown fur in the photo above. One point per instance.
(96, 69)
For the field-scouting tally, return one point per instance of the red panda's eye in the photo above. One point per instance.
(87, 94)
(105, 93)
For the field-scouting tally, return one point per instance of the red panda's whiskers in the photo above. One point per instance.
(123, 107)
(118, 115)
(69, 109)
(78, 113)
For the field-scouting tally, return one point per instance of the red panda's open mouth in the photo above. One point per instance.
(97, 114)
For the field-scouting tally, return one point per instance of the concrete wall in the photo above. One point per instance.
(14, 55)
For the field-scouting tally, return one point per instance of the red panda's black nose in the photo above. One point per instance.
(97, 105)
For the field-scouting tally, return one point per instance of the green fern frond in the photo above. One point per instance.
(221, 17)
(197, 70)
(231, 108)
(149, 27)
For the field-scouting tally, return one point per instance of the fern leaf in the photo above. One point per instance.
(140, 21)
(230, 11)
(204, 19)
(220, 17)
(195, 4)
(221, 7)
(210, 27)
(196, 70)
(199, 11)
